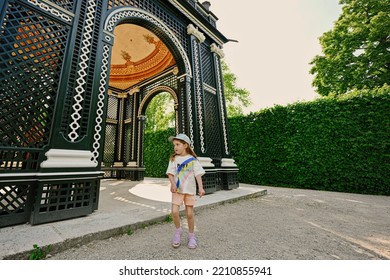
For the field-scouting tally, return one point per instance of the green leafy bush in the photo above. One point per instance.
(336, 143)
(157, 150)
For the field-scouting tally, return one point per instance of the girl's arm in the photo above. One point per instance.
(173, 184)
(200, 185)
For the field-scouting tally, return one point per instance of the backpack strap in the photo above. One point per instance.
(181, 166)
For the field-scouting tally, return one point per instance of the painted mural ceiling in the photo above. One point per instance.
(137, 55)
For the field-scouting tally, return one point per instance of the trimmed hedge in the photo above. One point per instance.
(336, 144)
(157, 150)
(333, 143)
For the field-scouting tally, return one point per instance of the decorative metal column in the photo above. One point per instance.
(186, 112)
(229, 169)
(133, 109)
(120, 141)
(141, 134)
(196, 38)
(210, 178)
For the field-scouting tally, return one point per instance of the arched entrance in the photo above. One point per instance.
(137, 74)
(162, 111)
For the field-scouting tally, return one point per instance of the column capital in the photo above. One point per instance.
(192, 30)
(134, 90)
(215, 49)
(122, 95)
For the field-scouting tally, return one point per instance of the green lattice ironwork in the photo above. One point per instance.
(32, 48)
(65, 199)
(212, 120)
(16, 201)
(207, 66)
(56, 115)
(31, 51)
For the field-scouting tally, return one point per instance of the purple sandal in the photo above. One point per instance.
(192, 243)
(177, 238)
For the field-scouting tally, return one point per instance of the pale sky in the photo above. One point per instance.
(277, 40)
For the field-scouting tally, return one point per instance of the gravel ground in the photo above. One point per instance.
(286, 224)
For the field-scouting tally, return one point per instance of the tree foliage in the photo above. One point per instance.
(160, 113)
(236, 98)
(356, 52)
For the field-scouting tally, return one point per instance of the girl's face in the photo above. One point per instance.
(179, 147)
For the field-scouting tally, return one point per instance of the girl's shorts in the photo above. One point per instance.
(179, 198)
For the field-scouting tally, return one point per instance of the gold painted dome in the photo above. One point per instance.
(137, 55)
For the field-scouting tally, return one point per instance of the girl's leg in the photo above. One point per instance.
(192, 243)
(175, 215)
(190, 218)
(176, 240)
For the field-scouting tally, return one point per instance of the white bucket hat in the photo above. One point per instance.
(181, 136)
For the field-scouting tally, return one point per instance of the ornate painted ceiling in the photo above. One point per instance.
(137, 55)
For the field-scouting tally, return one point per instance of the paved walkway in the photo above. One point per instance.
(122, 205)
(285, 224)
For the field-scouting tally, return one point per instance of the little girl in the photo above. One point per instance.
(183, 170)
